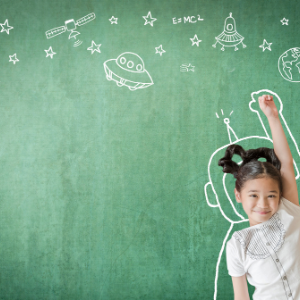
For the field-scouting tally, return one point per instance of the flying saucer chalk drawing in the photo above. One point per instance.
(217, 188)
(229, 37)
(5, 27)
(70, 25)
(289, 65)
(128, 69)
(187, 68)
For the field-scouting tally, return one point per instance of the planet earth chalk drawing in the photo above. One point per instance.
(289, 65)
(128, 69)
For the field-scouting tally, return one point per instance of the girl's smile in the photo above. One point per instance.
(260, 199)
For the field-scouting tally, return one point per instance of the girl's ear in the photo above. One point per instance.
(237, 195)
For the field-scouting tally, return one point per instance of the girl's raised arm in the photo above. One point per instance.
(281, 149)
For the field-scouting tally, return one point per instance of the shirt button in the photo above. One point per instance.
(284, 277)
(290, 295)
(277, 260)
(268, 244)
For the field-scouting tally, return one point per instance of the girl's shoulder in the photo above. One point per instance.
(289, 207)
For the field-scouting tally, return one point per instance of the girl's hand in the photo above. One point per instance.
(268, 106)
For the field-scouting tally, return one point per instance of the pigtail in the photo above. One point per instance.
(226, 162)
(263, 152)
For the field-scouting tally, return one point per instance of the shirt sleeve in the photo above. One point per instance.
(292, 208)
(234, 263)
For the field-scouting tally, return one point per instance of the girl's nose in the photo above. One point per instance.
(262, 202)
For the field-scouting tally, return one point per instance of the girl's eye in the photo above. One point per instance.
(253, 195)
(272, 196)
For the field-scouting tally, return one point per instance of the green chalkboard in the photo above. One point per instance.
(113, 116)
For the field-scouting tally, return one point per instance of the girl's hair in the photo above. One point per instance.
(251, 167)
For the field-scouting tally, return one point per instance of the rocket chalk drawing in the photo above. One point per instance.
(229, 37)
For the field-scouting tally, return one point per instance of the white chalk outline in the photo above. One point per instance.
(266, 47)
(70, 25)
(5, 27)
(187, 68)
(50, 52)
(13, 58)
(294, 54)
(113, 20)
(159, 50)
(77, 43)
(210, 183)
(94, 47)
(229, 37)
(284, 21)
(132, 85)
(195, 40)
(149, 16)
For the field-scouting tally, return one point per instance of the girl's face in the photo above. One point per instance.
(260, 199)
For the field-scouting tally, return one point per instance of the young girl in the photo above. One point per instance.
(268, 252)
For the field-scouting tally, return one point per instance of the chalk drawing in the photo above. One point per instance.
(189, 19)
(128, 69)
(149, 19)
(159, 50)
(284, 21)
(212, 184)
(50, 52)
(77, 43)
(187, 68)
(229, 37)
(289, 65)
(195, 40)
(94, 47)
(13, 58)
(5, 27)
(70, 25)
(113, 20)
(266, 45)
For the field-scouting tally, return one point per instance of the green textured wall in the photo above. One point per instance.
(101, 187)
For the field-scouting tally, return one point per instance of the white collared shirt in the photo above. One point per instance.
(269, 254)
